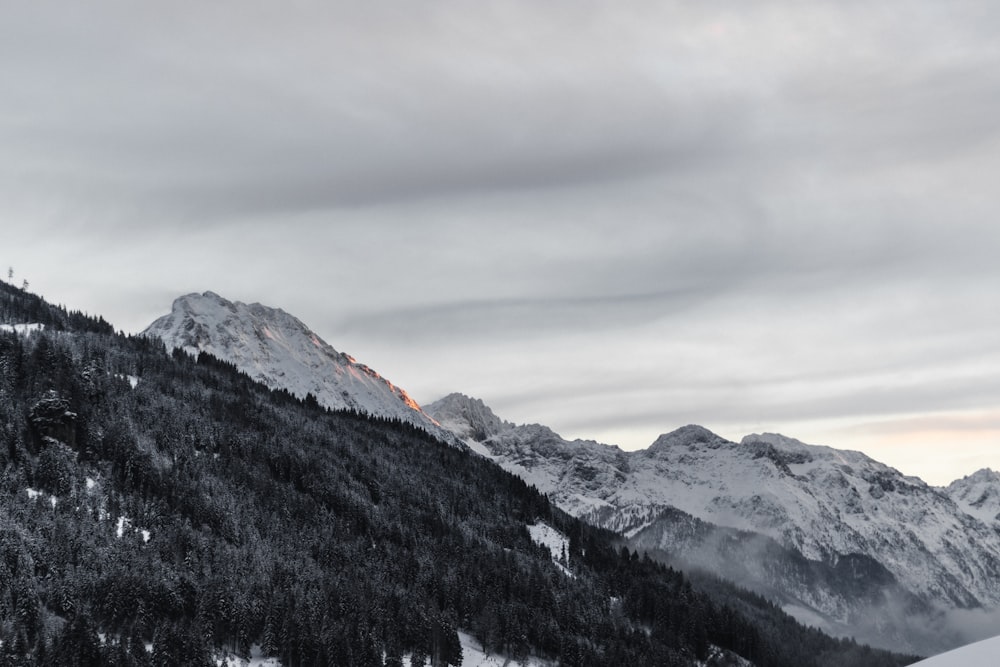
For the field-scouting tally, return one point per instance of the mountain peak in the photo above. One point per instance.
(980, 476)
(686, 436)
(206, 299)
(774, 439)
(466, 416)
(277, 349)
(978, 494)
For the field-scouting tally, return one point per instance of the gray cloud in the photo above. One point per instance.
(595, 216)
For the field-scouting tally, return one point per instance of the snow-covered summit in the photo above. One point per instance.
(978, 494)
(466, 417)
(277, 349)
(688, 436)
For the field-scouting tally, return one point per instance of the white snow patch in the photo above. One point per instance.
(34, 494)
(716, 655)
(980, 654)
(22, 328)
(474, 656)
(133, 381)
(126, 523)
(556, 542)
(479, 448)
(257, 659)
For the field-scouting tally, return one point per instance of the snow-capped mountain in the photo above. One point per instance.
(818, 502)
(979, 495)
(468, 418)
(277, 349)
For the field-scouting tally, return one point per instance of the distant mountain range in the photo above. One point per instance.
(841, 540)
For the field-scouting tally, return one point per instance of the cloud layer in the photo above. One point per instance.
(610, 218)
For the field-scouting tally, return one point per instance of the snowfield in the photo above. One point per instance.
(473, 656)
(556, 542)
(256, 660)
(981, 654)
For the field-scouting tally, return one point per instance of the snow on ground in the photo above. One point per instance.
(34, 494)
(981, 654)
(479, 448)
(720, 656)
(21, 328)
(256, 660)
(556, 542)
(125, 522)
(133, 381)
(473, 656)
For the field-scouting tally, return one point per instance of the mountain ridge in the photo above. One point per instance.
(820, 502)
(276, 348)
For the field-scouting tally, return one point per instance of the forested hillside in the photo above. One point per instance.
(156, 508)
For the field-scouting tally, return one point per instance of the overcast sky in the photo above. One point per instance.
(612, 218)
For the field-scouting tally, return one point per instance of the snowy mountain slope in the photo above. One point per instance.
(820, 502)
(825, 503)
(854, 596)
(576, 474)
(978, 494)
(468, 417)
(277, 349)
(985, 653)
